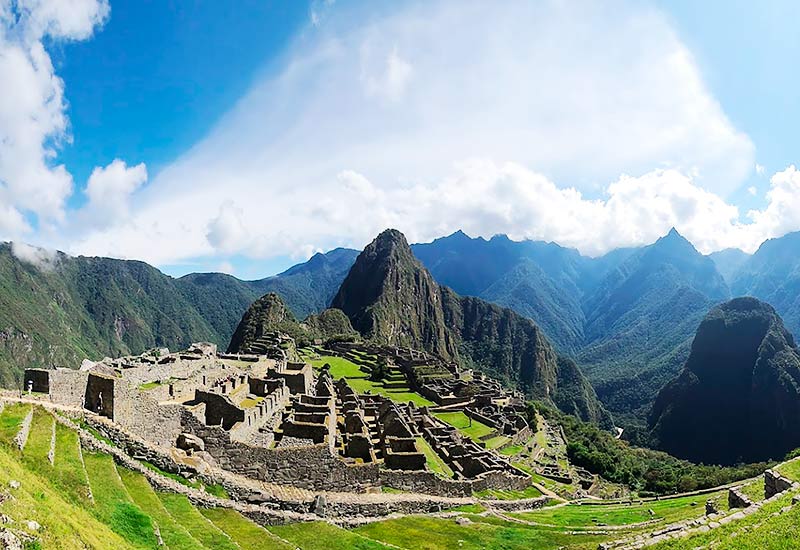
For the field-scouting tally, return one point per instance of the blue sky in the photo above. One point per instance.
(200, 137)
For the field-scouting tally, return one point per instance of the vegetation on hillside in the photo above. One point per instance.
(645, 470)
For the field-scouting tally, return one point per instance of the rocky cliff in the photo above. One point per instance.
(738, 396)
(391, 298)
(270, 313)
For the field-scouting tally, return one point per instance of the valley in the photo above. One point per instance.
(408, 415)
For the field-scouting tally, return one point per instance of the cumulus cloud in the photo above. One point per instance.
(41, 258)
(33, 123)
(109, 191)
(227, 232)
(376, 119)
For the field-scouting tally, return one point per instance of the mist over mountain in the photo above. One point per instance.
(63, 310)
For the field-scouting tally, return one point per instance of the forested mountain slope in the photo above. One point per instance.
(390, 297)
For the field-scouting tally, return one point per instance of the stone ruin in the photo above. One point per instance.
(270, 418)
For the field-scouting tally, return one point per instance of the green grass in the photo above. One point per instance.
(64, 525)
(754, 489)
(39, 437)
(790, 469)
(500, 494)
(758, 531)
(469, 508)
(149, 385)
(193, 521)
(496, 442)
(433, 460)
(511, 450)
(68, 472)
(426, 533)
(175, 536)
(470, 428)
(586, 515)
(246, 534)
(359, 381)
(11, 420)
(324, 536)
(114, 506)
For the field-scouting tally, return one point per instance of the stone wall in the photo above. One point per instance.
(430, 483)
(775, 483)
(143, 416)
(312, 467)
(68, 387)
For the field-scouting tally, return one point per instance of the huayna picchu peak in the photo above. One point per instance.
(738, 397)
(391, 298)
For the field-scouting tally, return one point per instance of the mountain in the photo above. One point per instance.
(540, 280)
(270, 313)
(772, 274)
(77, 307)
(641, 318)
(728, 262)
(738, 396)
(391, 298)
(626, 317)
(309, 287)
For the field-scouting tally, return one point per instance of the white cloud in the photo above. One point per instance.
(752, 190)
(109, 191)
(227, 232)
(782, 213)
(760, 169)
(392, 100)
(32, 106)
(41, 258)
(388, 77)
(225, 267)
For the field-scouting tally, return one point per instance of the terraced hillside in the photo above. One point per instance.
(57, 493)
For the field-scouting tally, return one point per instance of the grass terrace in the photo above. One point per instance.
(592, 515)
(360, 382)
(433, 460)
(470, 428)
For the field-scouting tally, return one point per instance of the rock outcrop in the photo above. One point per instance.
(738, 397)
(392, 299)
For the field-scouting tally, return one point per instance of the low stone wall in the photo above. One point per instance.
(314, 467)
(430, 483)
(775, 483)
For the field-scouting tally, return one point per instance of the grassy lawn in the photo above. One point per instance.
(586, 515)
(511, 450)
(426, 533)
(246, 534)
(324, 536)
(758, 531)
(194, 522)
(64, 525)
(175, 536)
(497, 441)
(755, 489)
(498, 494)
(470, 428)
(359, 381)
(39, 437)
(68, 472)
(790, 469)
(113, 504)
(11, 420)
(434, 461)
